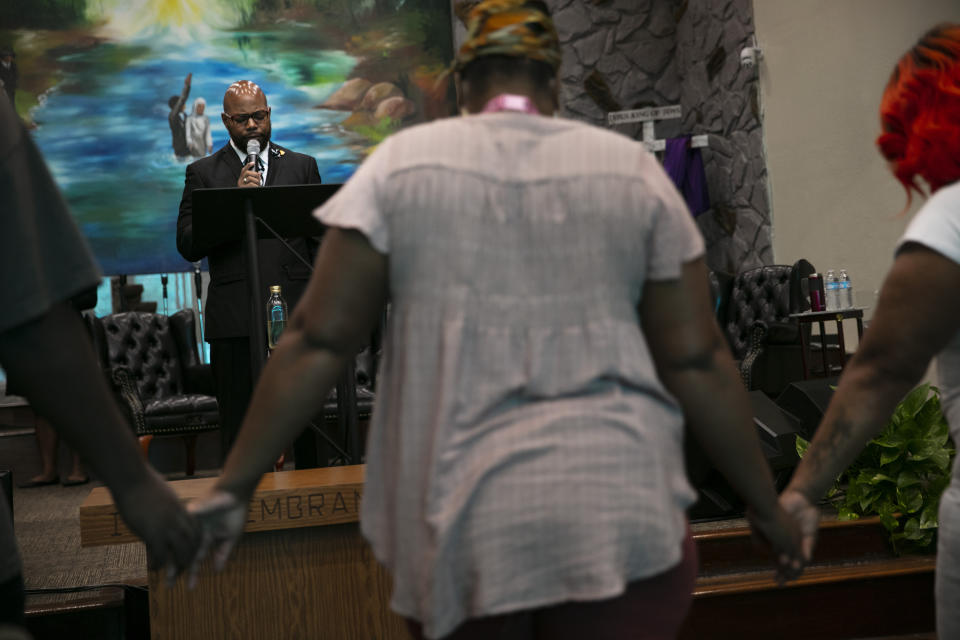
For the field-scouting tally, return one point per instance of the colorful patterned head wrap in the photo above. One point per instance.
(509, 28)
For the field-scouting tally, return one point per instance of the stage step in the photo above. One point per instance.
(97, 613)
(855, 588)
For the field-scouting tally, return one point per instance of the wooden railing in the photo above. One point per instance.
(855, 588)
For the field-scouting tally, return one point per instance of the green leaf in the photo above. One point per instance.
(801, 446)
(867, 499)
(881, 477)
(866, 473)
(889, 455)
(941, 435)
(891, 439)
(926, 537)
(937, 485)
(921, 449)
(910, 499)
(941, 458)
(930, 418)
(888, 521)
(911, 530)
(913, 401)
(845, 513)
(907, 478)
(909, 430)
(928, 517)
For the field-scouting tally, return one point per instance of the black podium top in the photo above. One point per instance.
(218, 213)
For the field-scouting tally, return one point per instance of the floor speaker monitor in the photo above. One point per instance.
(777, 429)
(807, 400)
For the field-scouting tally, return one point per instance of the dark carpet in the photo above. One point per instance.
(47, 526)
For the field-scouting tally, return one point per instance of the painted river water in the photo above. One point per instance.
(103, 128)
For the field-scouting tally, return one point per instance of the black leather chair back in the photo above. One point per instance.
(758, 295)
(144, 344)
(153, 364)
(762, 335)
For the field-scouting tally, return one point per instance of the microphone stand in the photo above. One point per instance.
(164, 281)
(197, 291)
(346, 385)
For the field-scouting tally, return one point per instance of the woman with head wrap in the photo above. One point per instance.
(199, 138)
(550, 332)
(918, 311)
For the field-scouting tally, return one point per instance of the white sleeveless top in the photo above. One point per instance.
(937, 226)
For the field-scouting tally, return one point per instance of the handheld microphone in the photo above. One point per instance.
(253, 150)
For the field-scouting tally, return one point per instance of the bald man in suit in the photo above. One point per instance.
(246, 116)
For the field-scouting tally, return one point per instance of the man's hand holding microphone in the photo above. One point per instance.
(249, 176)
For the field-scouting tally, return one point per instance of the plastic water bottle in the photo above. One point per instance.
(276, 316)
(845, 290)
(832, 290)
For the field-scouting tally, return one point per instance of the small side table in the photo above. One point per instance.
(821, 317)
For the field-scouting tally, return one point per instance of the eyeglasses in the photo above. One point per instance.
(242, 118)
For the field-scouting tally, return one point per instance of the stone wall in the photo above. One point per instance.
(623, 54)
(721, 97)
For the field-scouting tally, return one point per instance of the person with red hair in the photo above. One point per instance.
(918, 311)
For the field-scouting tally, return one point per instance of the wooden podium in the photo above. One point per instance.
(302, 569)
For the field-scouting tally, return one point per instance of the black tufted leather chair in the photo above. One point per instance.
(153, 363)
(343, 435)
(757, 323)
(350, 431)
(365, 372)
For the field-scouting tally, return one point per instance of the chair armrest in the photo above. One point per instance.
(130, 397)
(758, 333)
(786, 332)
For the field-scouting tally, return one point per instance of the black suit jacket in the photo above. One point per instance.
(228, 309)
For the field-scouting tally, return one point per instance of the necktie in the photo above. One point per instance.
(263, 175)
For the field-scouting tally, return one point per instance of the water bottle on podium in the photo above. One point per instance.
(276, 316)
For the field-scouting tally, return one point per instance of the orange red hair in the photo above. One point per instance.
(920, 112)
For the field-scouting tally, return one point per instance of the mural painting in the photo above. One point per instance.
(95, 81)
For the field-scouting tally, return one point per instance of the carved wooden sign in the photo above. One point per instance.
(285, 500)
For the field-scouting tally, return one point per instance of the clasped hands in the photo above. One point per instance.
(178, 539)
(806, 517)
(221, 517)
(791, 530)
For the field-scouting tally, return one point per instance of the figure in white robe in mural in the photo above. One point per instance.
(199, 138)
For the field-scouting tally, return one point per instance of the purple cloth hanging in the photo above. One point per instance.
(684, 165)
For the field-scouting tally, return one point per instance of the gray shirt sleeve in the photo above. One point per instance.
(9, 556)
(43, 256)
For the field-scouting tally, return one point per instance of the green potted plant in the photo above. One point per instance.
(901, 473)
